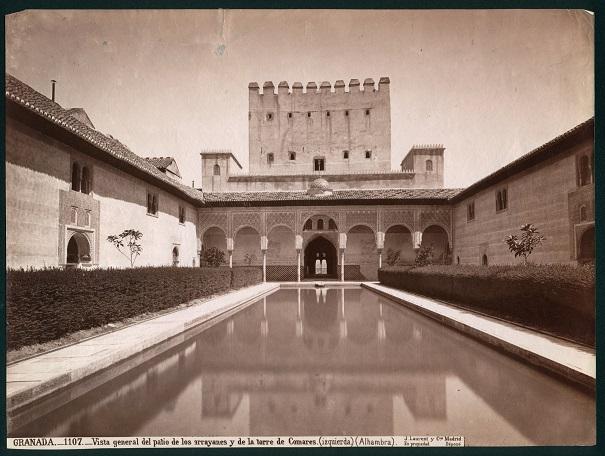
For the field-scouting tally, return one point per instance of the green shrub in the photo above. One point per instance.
(47, 304)
(558, 299)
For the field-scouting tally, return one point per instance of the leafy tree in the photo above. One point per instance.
(424, 257)
(392, 257)
(249, 258)
(213, 256)
(131, 238)
(525, 244)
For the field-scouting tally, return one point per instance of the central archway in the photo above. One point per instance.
(321, 249)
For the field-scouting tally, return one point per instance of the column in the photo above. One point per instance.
(342, 244)
(379, 258)
(298, 243)
(263, 247)
(379, 246)
(230, 251)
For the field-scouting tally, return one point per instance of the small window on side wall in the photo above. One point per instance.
(583, 213)
(270, 158)
(470, 211)
(368, 154)
(152, 203)
(292, 155)
(75, 177)
(345, 154)
(181, 215)
(501, 200)
(217, 170)
(584, 171)
(319, 164)
(269, 116)
(429, 166)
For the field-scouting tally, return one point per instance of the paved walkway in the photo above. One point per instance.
(35, 377)
(573, 361)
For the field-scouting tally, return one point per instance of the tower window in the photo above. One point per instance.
(75, 177)
(584, 171)
(346, 113)
(289, 115)
(152, 203)
(217, 170)
(367, 112)
(309, 114)
(368, 154)
(345, 154)
(327, 113)
(269, 116)
(269, 158)
(292, 155)
(320, 224)
(319, 164)
(181, 215)
(429, 165)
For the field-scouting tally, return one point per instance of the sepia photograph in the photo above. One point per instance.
(232, 228)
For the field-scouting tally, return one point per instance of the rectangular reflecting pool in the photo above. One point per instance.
(330, 361)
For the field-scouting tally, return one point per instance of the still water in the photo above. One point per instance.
(329, 361)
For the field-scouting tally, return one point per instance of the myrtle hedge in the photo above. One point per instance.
(47, 304)
(557, 299)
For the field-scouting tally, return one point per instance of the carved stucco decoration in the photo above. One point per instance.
(252, 219)
(404, 217)
(361, 217)
(214, 219)
(281, 218)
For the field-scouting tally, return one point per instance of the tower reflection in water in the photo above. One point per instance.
(331, 361)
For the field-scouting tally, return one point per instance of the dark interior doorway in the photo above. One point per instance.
(321, 260)
(587, 250)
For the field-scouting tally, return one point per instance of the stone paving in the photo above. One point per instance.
(573, 361)
(35, 377)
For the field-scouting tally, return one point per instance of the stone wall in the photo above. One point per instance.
(538, 195)
(39, 205)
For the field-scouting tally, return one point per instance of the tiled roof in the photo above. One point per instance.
(538, 154)
(160, 163)
(403, 194)
(27, 97)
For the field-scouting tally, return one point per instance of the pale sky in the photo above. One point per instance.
(488, 85)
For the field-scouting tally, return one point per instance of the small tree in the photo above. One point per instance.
(392, 257)
(424, 257)
(525, 244)
(129, 239)
(249, 258)
(213, 256)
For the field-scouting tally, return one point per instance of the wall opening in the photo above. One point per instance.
(78, 250)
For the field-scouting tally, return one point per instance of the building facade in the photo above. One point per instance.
(69, 187)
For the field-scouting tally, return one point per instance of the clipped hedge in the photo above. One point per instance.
(47, 304)
(245, 276)
(558, 299)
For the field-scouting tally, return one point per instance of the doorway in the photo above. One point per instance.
(321, 260)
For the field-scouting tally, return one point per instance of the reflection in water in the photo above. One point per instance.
(330, 362)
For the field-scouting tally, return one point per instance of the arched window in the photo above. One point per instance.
(217, 170)
(585, 174)
(429, 165)
(175, 256)
(484, 260)
(345, 154)
(583, 213)
(331, 225)
(320, 224)
(292, 155)
(269, 158)
(75, 177)
(308, 225)
(85, 186)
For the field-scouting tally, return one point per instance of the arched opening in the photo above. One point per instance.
(484, 260)
(320, 224)
(398, 246)
(308, 225)
(217, 170)
(281, 246)
(214, 238)
(587, 249)
(429, 166)
(85, 186)
(175, 256)
(436, 237)
(78, 250)
(320, 259)
(246, 247)
(361, 256)
(75, 177)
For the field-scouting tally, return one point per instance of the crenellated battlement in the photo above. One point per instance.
(324, 87)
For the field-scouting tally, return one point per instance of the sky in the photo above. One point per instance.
(490, 85)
